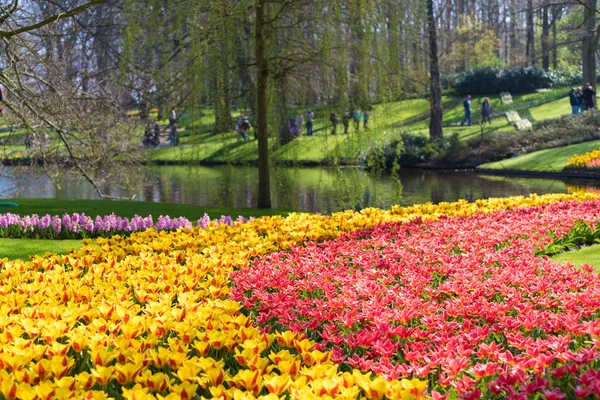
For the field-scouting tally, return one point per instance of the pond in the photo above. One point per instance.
(318, 189)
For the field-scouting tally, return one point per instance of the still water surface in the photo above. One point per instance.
(320, 189)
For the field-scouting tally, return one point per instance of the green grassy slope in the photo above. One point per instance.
(549, 160)
(553, 109)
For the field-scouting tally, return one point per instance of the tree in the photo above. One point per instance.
(44, 82)
(590, 42)
(264, 183)
(436, 108)
(530, 48)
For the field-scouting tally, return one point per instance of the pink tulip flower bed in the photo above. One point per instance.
(463, 302)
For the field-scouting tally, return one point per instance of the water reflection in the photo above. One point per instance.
(322, 190)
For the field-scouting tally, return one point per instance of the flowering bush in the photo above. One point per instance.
(590, 160)
(463, 302)
(80, 226)
(151, 315)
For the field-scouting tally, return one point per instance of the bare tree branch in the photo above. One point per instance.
(56, 17)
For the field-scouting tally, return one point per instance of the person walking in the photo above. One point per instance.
(588, 97)
(299, 123)
(574, 101)
(485, 111)
(172, 117)
(346, 121)
(334, 121)
(244, 128)
(366, 120)
(173, 137)
(310, 116)
(356, 117)
(467, 108)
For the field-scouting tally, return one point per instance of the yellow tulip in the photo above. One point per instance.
(102, 357)
(78, 342)
(216, 376)
(57, 349)
(127, 373)
(103, 375)
(13, 362)
(201, 347)
(95, 395)
(287, 338)
(318, 357)
(247, 379)
(375, 389)
(323, 387)
(303, 346)
(7, 385)
(62, 393)
(291, 367)
(186, 390)
(158, 382)
(277, 384)
(137, 393)
(45, 390)
(85, 380)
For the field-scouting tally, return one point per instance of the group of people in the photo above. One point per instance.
(485, 111)
(356, 116)
(152, 132)
(582, 99)
(297, 125)
(33, 139)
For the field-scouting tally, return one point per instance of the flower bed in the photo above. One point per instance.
(463, 302)
(151, 315)
(80, 226)
(590, 160)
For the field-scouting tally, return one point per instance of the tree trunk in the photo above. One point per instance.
(437, 111)
(514, 39)
(530, 48)
(264, 185)
(545, 39)
(223, 101)
(556, 10)
(589, 44)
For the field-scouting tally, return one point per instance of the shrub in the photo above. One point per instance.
(495, 80)
(422, 150)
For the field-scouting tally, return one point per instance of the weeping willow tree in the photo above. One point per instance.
(275, 59)
(154, 55)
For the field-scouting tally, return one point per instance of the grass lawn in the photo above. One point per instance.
(587, 255)
(553, 109)
(549, 160)
(124, 208)
(24, 248)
